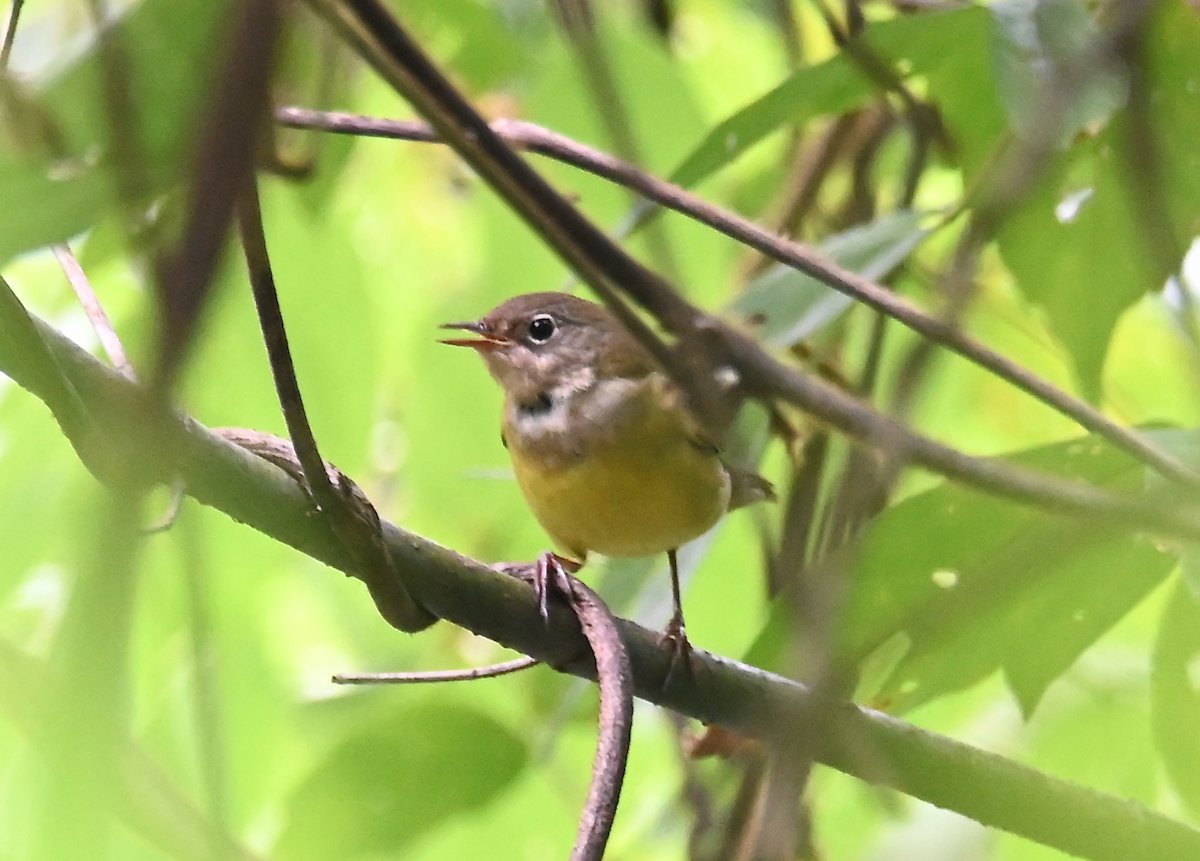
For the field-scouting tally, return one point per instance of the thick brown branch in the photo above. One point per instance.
(873, 746)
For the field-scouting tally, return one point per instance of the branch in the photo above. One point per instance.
(428, 677)
(532, 138)
(350, 514)
(88, 300)
(867, 744)
(10, 32)
(230, 135)
(615, 677)
(709, 344)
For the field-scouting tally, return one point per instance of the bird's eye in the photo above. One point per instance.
(541, 328)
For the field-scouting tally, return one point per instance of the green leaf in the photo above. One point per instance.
(960, 79)
(1095, 730)
(977, 583)
(980, 583)
(476, 39)
(67, 203)
(392, 781)
(1175, 694)
(1172, 75)
(1068, 247)
(928, 43)
(171, 46)
(1038, 46)
(172, 49)
(827, 88)
(787, 305)
(1078, 244)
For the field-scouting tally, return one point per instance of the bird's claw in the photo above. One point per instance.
(681, 650)
(550, 572)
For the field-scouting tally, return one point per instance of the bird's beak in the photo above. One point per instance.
(485, 341)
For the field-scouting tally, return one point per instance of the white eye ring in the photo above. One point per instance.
(541, 328)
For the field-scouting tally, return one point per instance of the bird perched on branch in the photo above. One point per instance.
(602, 445)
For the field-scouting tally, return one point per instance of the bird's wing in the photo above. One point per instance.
(746, 487)
(671, 398)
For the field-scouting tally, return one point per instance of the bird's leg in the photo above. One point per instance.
(675, 633)
(550, 572)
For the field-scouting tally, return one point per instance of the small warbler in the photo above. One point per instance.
(603, 449)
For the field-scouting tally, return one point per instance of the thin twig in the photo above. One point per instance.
(168, 518)
(577, 18)
(437, 676)
(790, 253)
(94, 310)
(350, 513)
(860, 422)
(615, 679)
(10, 32)
(615, 676)
(279, 354)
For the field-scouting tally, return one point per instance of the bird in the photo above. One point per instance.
(602, 446)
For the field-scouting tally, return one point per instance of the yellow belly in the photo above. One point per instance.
(647, 493)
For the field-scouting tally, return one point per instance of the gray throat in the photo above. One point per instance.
(593, 414)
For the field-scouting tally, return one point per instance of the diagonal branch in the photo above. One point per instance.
(599, 261)
(90, 303)
(984, 786)
(10, 32)
(533, 138)
(348, 510)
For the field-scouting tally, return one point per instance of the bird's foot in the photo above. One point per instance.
(681, 650)
(550, 573)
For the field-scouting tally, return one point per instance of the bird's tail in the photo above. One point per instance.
(747, 488)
